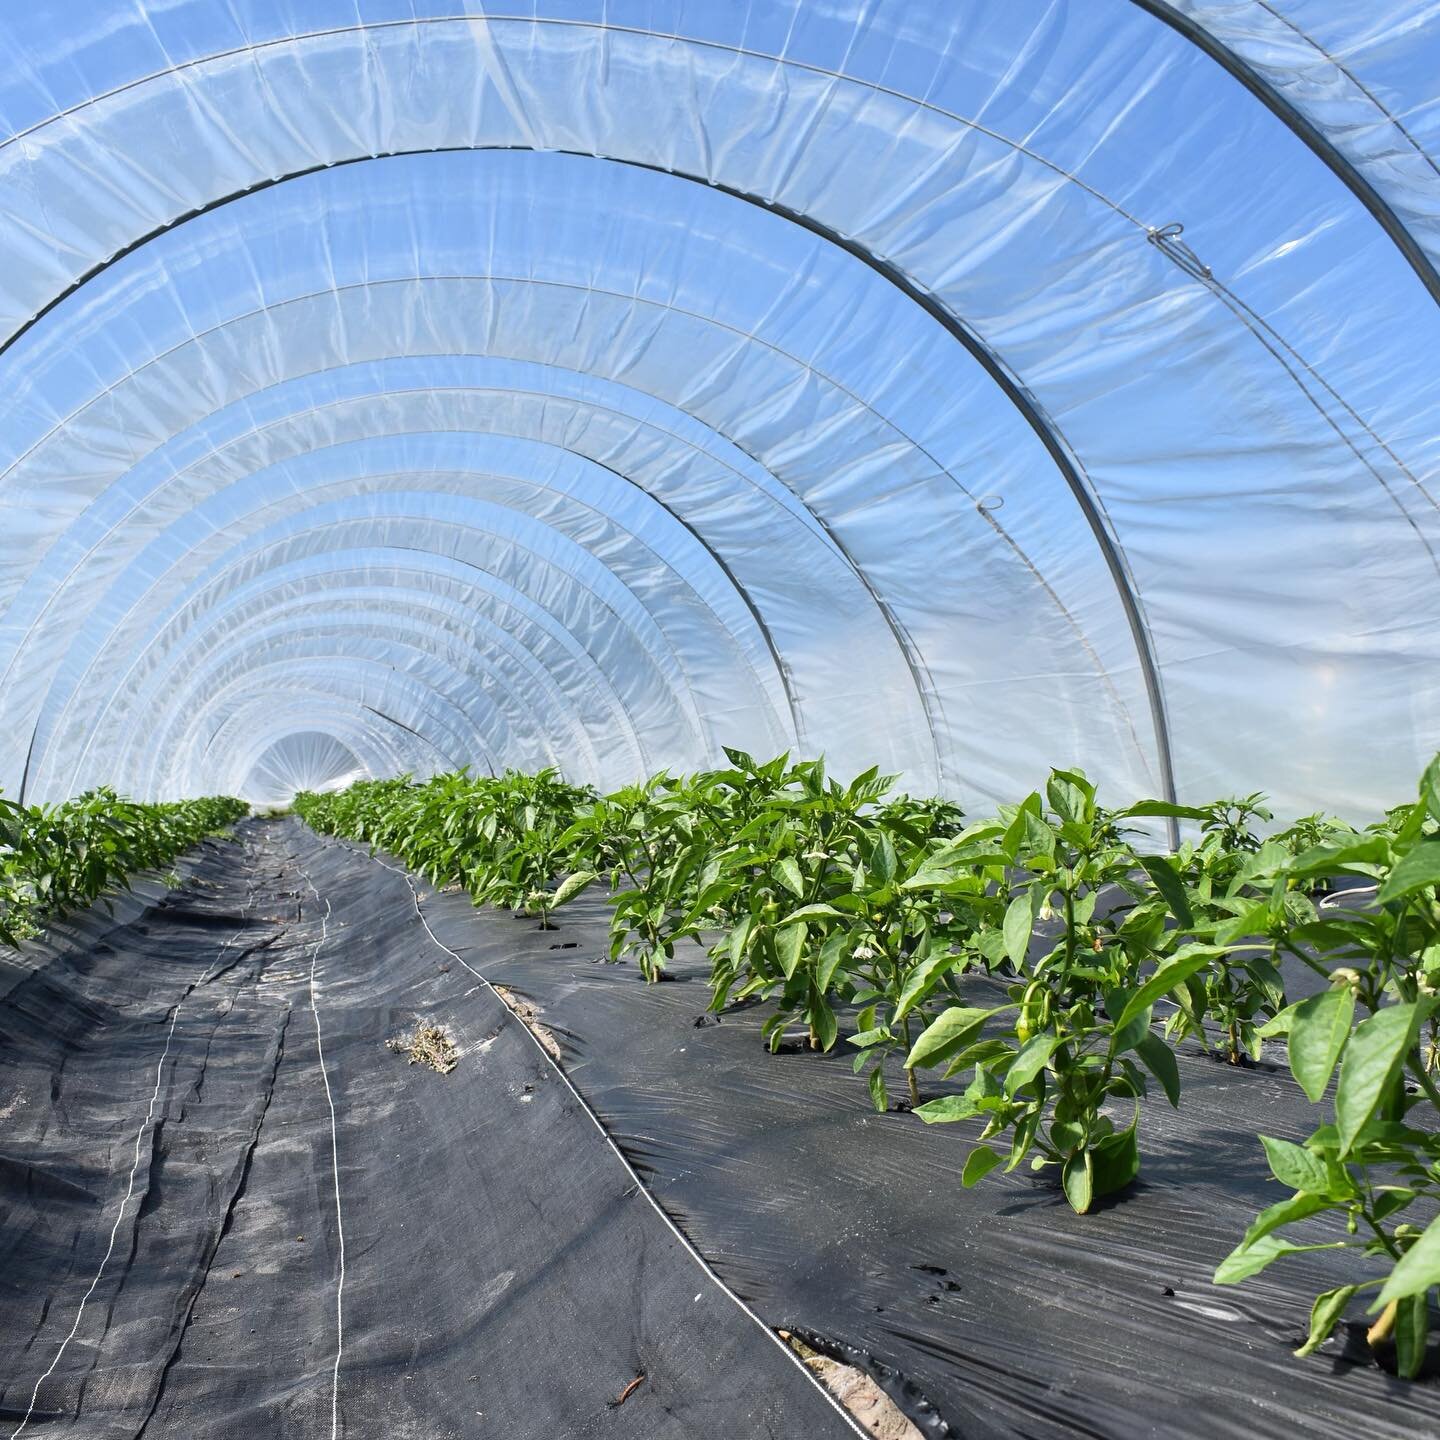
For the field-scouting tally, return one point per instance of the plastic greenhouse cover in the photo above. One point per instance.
(301, 760)
(962, 389)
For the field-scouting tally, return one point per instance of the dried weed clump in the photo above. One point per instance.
(428, 1045)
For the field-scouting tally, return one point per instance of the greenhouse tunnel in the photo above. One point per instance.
(398, 386)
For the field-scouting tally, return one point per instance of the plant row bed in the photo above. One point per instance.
(54, 858)
(1041, 956)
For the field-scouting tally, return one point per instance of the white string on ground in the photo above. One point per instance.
(334, 1169)
(134, 1171)
(640, 1187)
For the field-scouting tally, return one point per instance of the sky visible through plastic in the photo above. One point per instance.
(402, 386)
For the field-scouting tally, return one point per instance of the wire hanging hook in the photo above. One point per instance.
(1166, 238)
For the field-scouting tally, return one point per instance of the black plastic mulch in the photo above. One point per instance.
(208, 1229)
(1012, 1315)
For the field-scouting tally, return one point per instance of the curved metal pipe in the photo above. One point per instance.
(1305, 129)
(1044, 427)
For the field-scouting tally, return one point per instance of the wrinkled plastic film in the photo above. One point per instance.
(849, 388)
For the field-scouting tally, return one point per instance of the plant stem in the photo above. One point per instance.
(1416, 1066)
(1070, 922)
(1384, 1239)
(909, 1073)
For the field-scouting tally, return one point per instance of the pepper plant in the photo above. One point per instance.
(653, 842)
(1376, 1162)
(525, 820)
(55, 857)
(1220, 880)
(1084, 917)
(823, 921)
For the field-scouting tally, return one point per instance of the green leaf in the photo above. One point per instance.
(949, 1033)
(788, 874)
(1159, 1059)
(882, 860)
(789, 943)
(1023, 1138)
(1030, 1061)
(1416, 1270)
(978, 1164)
(1161, 809)
(1077, 1178)
(1325, 1315)
(809, 912)
(1067, 799)
(1412, 1321)
(1175, 972)
(946, 1109)
(1391, 1200)
(738, 938)
(822, 1018)
(1039, 840)
(1116, 1162)
(1016, 929)
(976, 1054)
(864, 1039)
(1254, 920)
(1280, 1023)
(921, 980)
(572, 885)
(878, 1096)
(832, 953)
(1430, 788)
(1010, 841)
(1318, 1030)
(1247, 1260)
(1168, 882)
(1357, 855)
(1418, 870)
(1283, 1212)
(1373, 1059)
(1123, 1037)
(1295, 1166)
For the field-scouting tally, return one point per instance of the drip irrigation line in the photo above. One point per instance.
(639, 1184)
(334, 1167)
(134, 1170)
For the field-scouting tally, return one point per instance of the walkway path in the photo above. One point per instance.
(228, 1210)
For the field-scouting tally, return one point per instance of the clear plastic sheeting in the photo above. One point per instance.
(962, 389)
(301, 760)
(1364, 76)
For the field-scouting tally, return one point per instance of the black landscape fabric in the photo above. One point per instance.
(227, 1209)
(1010, 1314)
(501, 1275)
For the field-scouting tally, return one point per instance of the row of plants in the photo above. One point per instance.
(1043, 959)
(56, 857)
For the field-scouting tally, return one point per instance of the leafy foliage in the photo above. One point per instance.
(1041, 956)
(499, 836)
(54, 857)
(1377, 1161)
